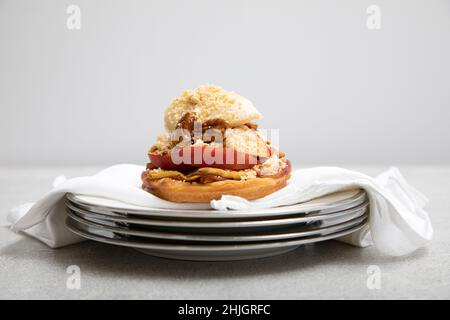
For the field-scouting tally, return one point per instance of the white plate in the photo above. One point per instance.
(330, 203)
(264, 235)
(199, 224)
(196, 252)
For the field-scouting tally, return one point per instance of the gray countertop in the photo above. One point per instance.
(30, 270)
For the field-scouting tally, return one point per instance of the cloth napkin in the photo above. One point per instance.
(398, 223)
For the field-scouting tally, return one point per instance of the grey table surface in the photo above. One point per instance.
(329, 270)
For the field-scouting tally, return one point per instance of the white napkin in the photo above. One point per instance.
(398, 223)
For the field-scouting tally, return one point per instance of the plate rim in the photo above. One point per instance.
(357, 198)
(200, 224)
(216, 247)
(277, 235)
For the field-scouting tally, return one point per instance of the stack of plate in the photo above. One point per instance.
(215, 235)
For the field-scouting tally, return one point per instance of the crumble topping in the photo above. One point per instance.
(163, 144)
(271, 166)
(211, 102)
(247, 141)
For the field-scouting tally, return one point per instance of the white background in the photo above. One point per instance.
(340, 93)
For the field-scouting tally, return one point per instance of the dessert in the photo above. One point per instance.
(212, 148)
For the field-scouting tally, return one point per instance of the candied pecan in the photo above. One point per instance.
(252, 126)
(215, 124)
(151, 166)
(187, 121)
